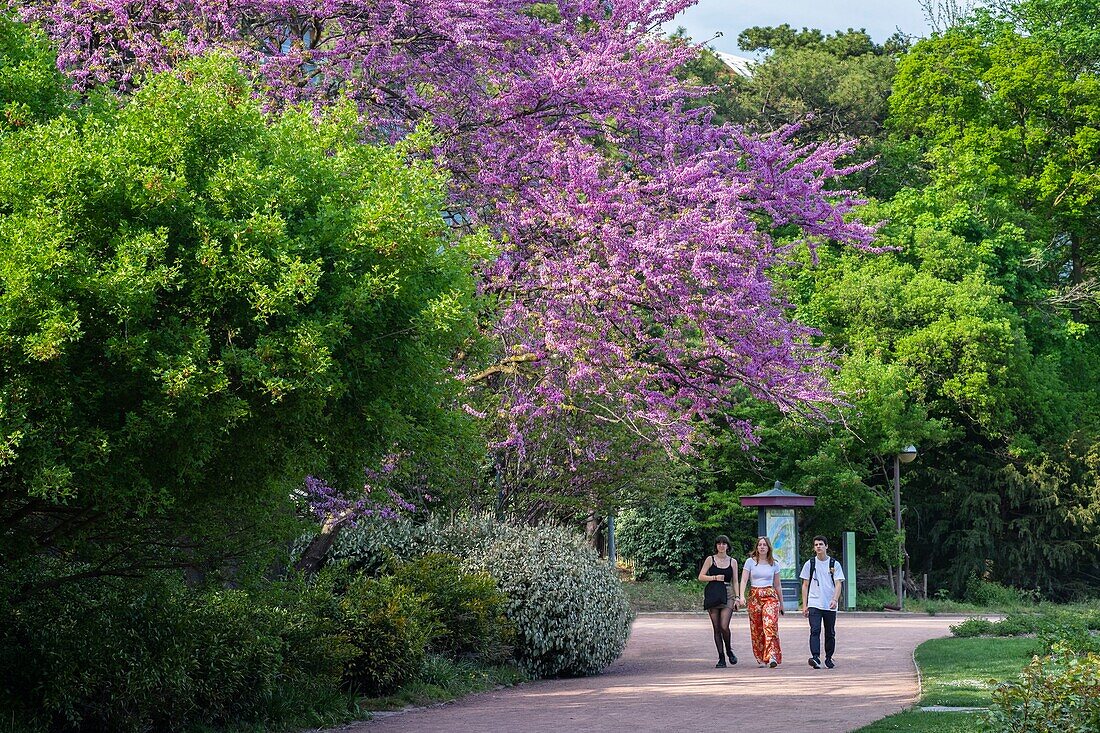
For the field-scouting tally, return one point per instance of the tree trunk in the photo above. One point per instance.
(592, 532)
(313, 559)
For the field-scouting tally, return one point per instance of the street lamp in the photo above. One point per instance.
(905, 456)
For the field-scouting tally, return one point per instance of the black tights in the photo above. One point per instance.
(720, 622)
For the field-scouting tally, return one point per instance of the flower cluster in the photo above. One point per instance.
(638, 237)
(378, 499)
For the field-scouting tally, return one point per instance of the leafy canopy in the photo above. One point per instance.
(200, 304)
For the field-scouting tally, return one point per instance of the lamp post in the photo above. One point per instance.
(905, 456)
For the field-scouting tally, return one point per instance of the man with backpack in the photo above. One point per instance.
(822, 579)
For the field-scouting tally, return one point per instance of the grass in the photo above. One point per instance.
(443, 680)
(917, 722)
(662, 595)
(963, 672)
(876, 599)
(1009, 602)
(958, 673)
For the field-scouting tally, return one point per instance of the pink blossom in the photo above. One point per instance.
(638, 238)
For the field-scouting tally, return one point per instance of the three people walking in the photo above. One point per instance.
(822, 581)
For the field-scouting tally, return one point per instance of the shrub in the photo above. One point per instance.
(989, 593)
(264, 658)
(376, 543)
(466, 607)
(1070, 635)
(390, 625)
(660, 539)
(1059, 693)
(974, 627)
(570, 612)
(1050, 624)
(158, 656)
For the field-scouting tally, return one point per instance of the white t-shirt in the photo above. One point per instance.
(823, 585)
(762, 575)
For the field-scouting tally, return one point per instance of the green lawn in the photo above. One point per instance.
(917, 722)
(661, 595)
(958, 673)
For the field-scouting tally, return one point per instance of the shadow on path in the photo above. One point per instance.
(666, 681)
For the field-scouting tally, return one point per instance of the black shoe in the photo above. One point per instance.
(815, 662)
(721, 664)
(732, 656)
(829, 662)
(772, 663)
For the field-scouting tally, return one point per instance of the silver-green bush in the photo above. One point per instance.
(570, 612)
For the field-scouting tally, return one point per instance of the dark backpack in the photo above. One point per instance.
(832, 570)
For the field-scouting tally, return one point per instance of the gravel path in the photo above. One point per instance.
(666, 681)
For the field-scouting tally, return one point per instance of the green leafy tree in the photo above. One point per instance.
(199, 305)
(972, 337)
(1072, 27)
(990, 302)
(835, 85)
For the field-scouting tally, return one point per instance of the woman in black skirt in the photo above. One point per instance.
(717, 572)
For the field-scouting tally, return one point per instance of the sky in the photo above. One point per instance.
(881, 18)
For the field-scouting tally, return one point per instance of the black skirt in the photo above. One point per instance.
(714, 594)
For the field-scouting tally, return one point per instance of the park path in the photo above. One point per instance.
(666, 681)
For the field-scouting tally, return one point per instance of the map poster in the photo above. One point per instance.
(781, 531)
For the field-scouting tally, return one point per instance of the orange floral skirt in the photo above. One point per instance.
(764, 608)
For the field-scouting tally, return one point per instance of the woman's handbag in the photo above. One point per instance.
(714, 594)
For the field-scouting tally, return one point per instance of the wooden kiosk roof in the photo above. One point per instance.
(777, 497)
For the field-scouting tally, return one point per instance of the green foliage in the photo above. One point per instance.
(660, 539)
(570, 613)
(842, 44)
(375, 544)
(466, 607)
(834, 90)
(32, 90)
(1045, 623)
(199, 305)
(442, 679)
(390, 626)
(1070, 26)
(978, 627)
(973, 336)
(834, 86)
(989, 593)
(1004, 127)
(1059, 693)
(157, 656)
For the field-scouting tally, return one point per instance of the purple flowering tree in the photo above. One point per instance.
(334, 509)
(635, 239)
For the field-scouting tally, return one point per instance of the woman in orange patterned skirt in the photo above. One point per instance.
(765, 603)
